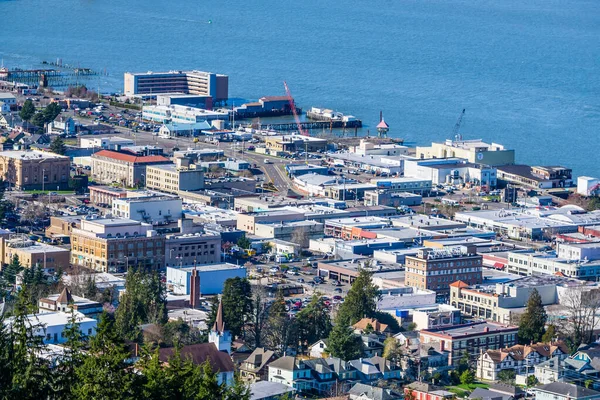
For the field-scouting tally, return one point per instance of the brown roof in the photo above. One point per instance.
(459, 284)
(219, 325)
(129, 157)
(520, 352)
(199, 353)
(65, 297)
(258, 359)
(377, 326)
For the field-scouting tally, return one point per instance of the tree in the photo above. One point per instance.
(38, 119)
(51, 111)
(27, 111)
(411, 327)
(279, 330)
(244, 242)
(343, 343)
(533, 320)
(313, 322)
(237, 304)
(463, 363)
(12, 270)
(507, 375)
(532, 380)
(467, 377)
(58, 146)
(582, 307)
(361, 300)
(550, 334)
(392, 350)
(258, 318)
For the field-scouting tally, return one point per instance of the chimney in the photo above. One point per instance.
(195, 289)
(486, 329)
(442, 345)
(258, 360)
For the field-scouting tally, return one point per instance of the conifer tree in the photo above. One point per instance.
(343, 343)
(361, 300)
(533, 321)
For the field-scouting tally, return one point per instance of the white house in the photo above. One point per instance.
(51, 325)
(317, 350)
(549, 371)
(61, 126)
(8, 98)
(290, 371)
(564, 391)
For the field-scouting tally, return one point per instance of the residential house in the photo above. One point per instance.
(519, 358)
(361, 391)
(375, 368)
(564, 391)
(323, 376)
(485, 394)
(63, 126)
(291, 372)
(254, 368)
(219, 361)
(426, 391)
(65, 302)
(362, 326)
(318, 349)
(549, 371)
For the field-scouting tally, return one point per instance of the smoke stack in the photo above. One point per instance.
(380, 116)
(195, 289)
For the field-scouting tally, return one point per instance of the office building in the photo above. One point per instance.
(188, 82)
(35, 170)
(122, 168)
(31, 254)
(155, 210)
(172, 179)
(112, 245)
(436, 269)
(474, 151)
(192, 249)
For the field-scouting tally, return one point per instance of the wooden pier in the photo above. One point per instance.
(52, 77)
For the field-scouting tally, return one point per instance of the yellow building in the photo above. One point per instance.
(32, 253)
(35, 170)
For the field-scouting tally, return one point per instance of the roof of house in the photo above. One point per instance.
(65, 296)
(567, 389)
(287, 363)
(258, 359)
(130, 157)
(459, 284)
(484, 394)
(199, 353)
(373, 393)
(375, 324)
(506, 388)
(520, 352)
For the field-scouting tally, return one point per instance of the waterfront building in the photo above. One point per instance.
(436, 269)
(588, 186)
(188, 100)
(536, 177)
(110, 166)
(187, 82)
(35, 170)
(112, 245)
(454, 171)
(176, 114)
(293, 143)
(474, 151)
(366, 148)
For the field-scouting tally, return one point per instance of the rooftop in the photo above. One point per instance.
(129, 157)
(210, 267)
(476, 328)
(266, 389)
(31, 155)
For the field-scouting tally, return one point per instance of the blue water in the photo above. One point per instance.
(527, 72)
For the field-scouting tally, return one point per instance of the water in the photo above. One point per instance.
(527, 72)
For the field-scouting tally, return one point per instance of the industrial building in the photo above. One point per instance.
(293, 143)
(35, 170)
(212, 277)
(150, 84)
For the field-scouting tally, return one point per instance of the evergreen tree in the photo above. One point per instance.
(549, 335)
(154, 385)
(313, 322)
(237, 304)
(244, 242)
(279, 327)
(27, 111)
(533, 320)
(58, 146)
(343, 343)
(361, 300)
(38, 119)
(12, 270)
(51, 111)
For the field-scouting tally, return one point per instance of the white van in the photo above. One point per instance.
(450, 202)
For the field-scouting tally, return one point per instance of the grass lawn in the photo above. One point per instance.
(48, 191)
(473, 386)
(464, 390)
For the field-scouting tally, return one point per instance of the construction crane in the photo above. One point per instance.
(455, 133)
(293, 107)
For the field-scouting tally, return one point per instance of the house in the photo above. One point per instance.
(564, 391)
(265, 390)
(63, 126)
(361, 391)
(375, 368)
(511, 390)
(375, 326)
(549, 371)
(254, 368)
(485, 394)
(318, 349)
(323, 376)
(219, 361)
(426, 391)
(372, 345)
(292, 372)
(66, 302)
(520, 358)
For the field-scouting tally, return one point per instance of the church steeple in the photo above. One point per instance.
(218, 335)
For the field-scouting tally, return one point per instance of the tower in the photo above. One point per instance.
(218, 335)
(382, 127)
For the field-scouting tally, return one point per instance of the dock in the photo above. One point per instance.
(310, 125)
(46, 76)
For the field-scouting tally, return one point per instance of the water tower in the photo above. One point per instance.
(382, 127)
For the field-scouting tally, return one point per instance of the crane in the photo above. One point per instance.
(293, 106)
(455, 133)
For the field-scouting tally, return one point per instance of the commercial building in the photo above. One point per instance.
(172, 179)
(303, 169)
(436, 269)
(63, 226)
(123, 168)
(52, 325)
(452, 171)
(155, 210)
(293, 143)
(265, 106)
(106, 194)
(187, 82)
(31, 254)
(474, 151)
(536, 177)
(112, 245)
(35, 170)
(390, 198)
(299, 232)
(366, 148)
(247, 222)
(392, 165)
(588, 186)
(192, 248)
(192, 156)
(316, 184)
(212, 277)
(189, 100)
(107, 143)
(473, 338)
(175, 114)
(404, 184)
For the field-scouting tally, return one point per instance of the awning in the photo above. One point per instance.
(499, 265)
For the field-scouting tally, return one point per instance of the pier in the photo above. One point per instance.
(46, 76)
(320, 125)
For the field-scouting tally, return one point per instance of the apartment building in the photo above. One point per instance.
(35, 170)
(192, 249)
(113, 245)
(187, 82)
(155, 210)
(172, 179)
(473, 338)
(32, 254)
(436, 269)
(123, 168)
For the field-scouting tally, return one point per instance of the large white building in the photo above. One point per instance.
(212, 277)
(106, 143)
(451, 170)
(51, 325)
(475, 151)
(157, 210)
(366, 148)
(181, 114)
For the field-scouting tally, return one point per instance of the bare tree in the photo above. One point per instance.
(258, 319)
(582, 307)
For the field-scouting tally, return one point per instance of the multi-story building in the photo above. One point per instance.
(299, 232)
(188, 82)
(292, 143)
(381, 197)
(472, 338)
(112, 245)
(65, 302)
(123, 168)
(475, 151)
(190, 249)
(155, 210)
(31, 254)
(172, 179)
(404, 184)
(176, 114)
(106, 143)
(63, 226)
(35, 170)
(536, 177)
(436, 269)
(211, 278)
(106, 194)
(452, 170)
(519, 358)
